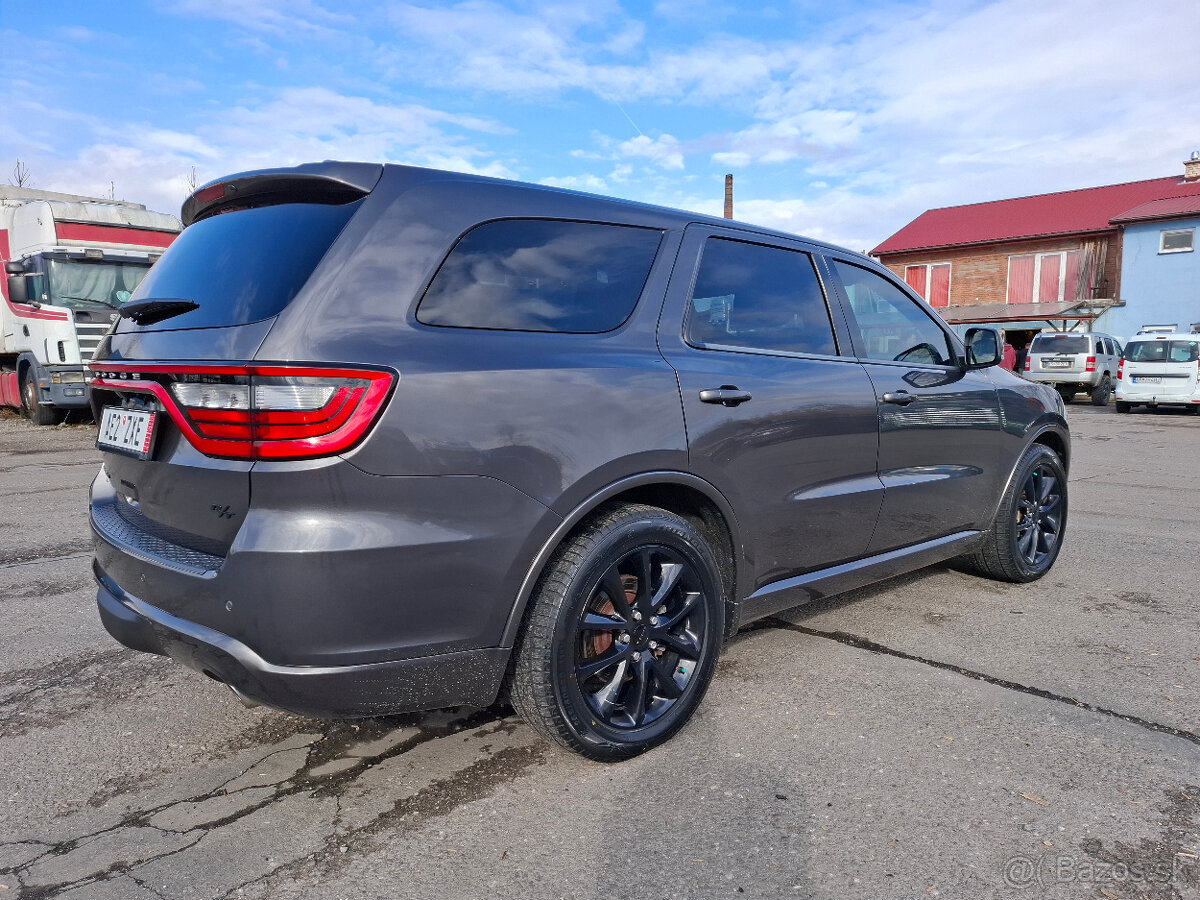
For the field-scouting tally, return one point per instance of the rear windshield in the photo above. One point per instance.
(1162, 351)
(242, 266)
(541, 275)
(1060, 343)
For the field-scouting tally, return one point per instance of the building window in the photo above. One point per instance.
(1181, 240)
(1043, 277)
(931, 281)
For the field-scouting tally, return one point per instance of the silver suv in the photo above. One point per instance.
(1075, 362)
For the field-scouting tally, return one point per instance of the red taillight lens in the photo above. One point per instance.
(1090, 365)
(1027, 364)
(259, 411)
(1120, 370)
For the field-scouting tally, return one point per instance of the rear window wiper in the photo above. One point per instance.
(151, 310)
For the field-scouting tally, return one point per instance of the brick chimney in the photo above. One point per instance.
(1191, 168)
(729, 195)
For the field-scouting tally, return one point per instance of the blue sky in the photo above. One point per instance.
(839, 120)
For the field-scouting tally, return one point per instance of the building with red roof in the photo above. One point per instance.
(1047, 259)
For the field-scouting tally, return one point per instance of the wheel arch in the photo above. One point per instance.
(1050, 435)
(684, 494)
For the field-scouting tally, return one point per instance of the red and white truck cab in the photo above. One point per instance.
(69, 262)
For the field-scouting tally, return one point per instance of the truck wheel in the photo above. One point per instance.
(1027, 532)
(38, 413)
(1101, 392)
(622, 634)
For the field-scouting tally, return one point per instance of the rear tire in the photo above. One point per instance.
(622, 635)
(1067, 394)
(1027, 532)
(1123, 407)
(1102, 392)
(38, 413)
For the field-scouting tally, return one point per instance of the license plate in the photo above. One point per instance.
(1057, 364)
(1147, 379)
(129, 431)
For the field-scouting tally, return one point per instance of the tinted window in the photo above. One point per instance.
(1060, 343)
(243, 266)
(1162, 351)
(892, 325)
(539, 275)
(764, 298)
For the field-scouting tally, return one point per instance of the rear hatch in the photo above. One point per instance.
(183, 407)
(1059, 354)
(1164, 367)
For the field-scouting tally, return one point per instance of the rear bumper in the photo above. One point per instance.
(466, 678)
(1085, 380)
(1157, 394)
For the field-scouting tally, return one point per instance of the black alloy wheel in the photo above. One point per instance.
(640, 637)
(1039, 515)
(622, 635)
(1030, 524)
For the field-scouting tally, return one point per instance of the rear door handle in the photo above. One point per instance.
(900, 398)
(726, 395)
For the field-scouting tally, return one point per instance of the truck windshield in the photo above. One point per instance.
(92, 285)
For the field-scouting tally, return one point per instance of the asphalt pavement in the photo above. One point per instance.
(939, 735)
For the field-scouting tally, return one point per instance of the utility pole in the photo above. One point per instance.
(729, 196)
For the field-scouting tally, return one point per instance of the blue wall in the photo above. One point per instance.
(1158, 288)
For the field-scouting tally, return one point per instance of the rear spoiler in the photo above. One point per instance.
(327, 182)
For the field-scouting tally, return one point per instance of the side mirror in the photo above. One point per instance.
(983, 348)
(17, 286)
(26, 289)
(14, 268)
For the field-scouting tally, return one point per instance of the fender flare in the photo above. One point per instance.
(1031, 438)
(589, 505)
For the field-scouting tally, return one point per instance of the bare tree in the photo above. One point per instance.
(20, 175)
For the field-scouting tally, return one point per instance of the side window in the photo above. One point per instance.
(762, 298)
(541, 275)
(892, 325)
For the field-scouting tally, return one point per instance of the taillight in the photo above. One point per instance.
(259, 411)
(1027, 364)
(1090, 365)
(1120, 370)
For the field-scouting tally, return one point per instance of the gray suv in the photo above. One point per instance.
(1075, 362)
(381, 439)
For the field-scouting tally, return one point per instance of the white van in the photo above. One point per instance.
(1160, 369)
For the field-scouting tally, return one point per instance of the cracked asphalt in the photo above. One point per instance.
(935, 736)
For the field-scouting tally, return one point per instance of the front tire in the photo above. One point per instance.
(1028, 530)
(38, 413)
(622, 635)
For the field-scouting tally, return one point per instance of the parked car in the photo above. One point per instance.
(378, 439)
(1160, 369)
(1075, 362)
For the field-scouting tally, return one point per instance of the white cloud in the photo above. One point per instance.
(664, 150)
(278, 18)
(295, 125)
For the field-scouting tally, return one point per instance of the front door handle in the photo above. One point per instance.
(726, 395)
(900, 398)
